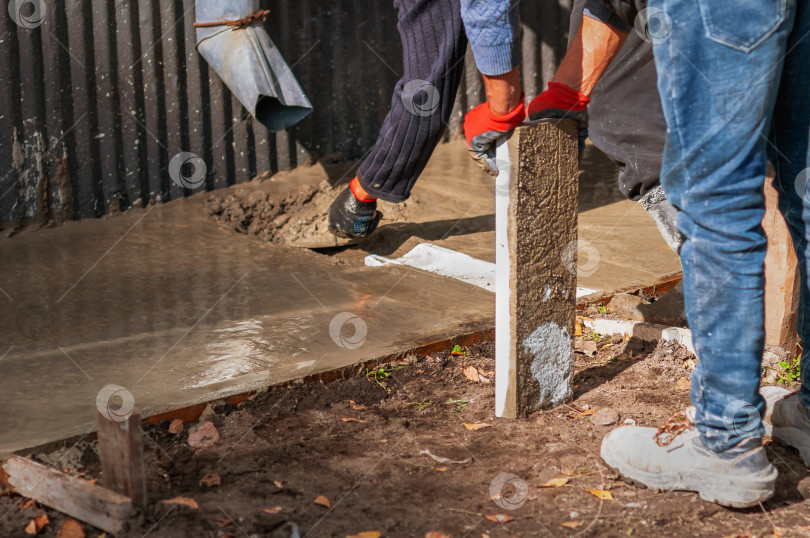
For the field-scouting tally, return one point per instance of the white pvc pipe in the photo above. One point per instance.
(503, 322)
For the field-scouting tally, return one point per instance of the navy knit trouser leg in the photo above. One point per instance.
(433, 46)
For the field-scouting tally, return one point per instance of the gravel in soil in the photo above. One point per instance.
(414, 448)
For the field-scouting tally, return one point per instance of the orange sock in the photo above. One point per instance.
(359, 192)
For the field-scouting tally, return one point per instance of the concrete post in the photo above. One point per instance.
(535, 232)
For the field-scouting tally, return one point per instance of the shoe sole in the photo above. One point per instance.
(720, 490)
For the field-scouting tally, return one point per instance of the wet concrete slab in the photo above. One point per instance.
(176, 310)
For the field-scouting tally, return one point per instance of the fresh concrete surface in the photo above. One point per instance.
(177, 310)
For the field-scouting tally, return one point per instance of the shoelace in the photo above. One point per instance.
(259, 16)
(676, 425)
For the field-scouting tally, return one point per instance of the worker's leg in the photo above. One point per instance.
(434, 44)
(718, 94)
(719, 71)
(790, 154)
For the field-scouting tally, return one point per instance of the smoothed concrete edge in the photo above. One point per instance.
(472, 333)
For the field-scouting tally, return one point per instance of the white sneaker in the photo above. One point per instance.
(686, 464)
(791, 423)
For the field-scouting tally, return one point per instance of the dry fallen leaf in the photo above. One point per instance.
(36, 524)
(279, 483)
(356, 407)
(184, 501)
(577, 329)
(222, 522)
(603, 494)
(779, 531)
(365, 534)
(210, 480)
(499, 518)
(273, 510)
(567, 472)
(607, 346)
(441, 469)
(683, 384)
(571, 524)
(71, 529)
(350, 419)
(471, 373)
(176, 426)
(477, 425)
(436, 534)
(555, 483)
(205, 436)
(585, 413)
(323, 501)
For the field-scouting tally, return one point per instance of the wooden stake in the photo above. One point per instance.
(535, 232)
(782, 281)
(100, 507)
(120, 449)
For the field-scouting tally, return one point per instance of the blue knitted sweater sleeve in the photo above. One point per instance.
(493, 28)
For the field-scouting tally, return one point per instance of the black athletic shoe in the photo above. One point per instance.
(349, 217)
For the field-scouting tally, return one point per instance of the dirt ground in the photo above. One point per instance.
(365, 444)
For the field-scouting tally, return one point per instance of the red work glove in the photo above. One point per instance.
(560, 101)
(482, 128)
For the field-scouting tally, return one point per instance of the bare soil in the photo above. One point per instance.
(362, 443)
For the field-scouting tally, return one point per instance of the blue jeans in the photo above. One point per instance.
(734, 79)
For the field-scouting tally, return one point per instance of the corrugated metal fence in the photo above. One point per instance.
(96, 99)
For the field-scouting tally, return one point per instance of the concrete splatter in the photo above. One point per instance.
(552, 362)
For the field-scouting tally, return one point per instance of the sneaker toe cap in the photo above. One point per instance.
(629, 445)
